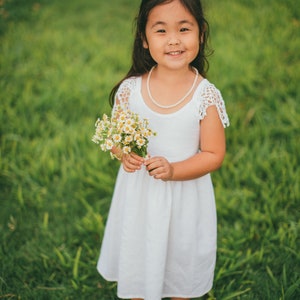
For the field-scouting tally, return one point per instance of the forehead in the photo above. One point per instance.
(170, 12)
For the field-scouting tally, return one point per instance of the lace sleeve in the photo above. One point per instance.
(123, 93)
(210, 95)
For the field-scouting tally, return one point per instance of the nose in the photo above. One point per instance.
(173, 40)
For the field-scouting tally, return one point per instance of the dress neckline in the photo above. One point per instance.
(139, 88)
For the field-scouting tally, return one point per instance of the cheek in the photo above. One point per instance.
(153, 46)
(153, 54)
(197, 45)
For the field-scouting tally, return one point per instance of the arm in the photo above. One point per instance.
(213, 148)
(131, 162)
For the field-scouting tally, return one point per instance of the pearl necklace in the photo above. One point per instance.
(178, 102)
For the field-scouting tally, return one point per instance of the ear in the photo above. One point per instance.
(145, 43)
(201, 38)
(202, 34)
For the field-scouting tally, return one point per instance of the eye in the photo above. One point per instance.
(160, 31)
(184, 29)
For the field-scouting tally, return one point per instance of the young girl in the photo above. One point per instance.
(160, 238)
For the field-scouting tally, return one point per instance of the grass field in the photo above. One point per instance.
(58, 62)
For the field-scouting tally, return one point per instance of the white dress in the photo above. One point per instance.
(160, 237)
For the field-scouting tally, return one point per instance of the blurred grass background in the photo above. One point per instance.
(58, 62)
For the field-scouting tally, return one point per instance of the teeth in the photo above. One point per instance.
(175, 52)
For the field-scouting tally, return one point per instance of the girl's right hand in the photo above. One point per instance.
(132, 162)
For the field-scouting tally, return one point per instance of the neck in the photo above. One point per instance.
(172, 75)
(172, 104)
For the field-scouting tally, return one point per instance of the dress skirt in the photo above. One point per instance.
(162, 243)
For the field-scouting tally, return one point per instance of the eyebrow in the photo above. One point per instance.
(180, 23)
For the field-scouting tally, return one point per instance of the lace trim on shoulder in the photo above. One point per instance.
(209, 96)
(123, 93)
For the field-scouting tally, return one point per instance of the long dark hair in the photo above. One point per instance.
(142, 61)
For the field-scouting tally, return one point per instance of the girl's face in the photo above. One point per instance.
(172, 35)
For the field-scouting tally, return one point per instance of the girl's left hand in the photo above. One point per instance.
(159, 168)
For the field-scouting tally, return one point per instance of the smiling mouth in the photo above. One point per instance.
(175, 52)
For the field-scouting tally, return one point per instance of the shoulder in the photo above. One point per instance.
(207, 92)
(127, 85)
(207, 95)
(125, 89)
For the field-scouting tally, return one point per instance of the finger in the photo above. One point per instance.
(155, 172)
(137, 157)
(131, 165)
(149, 161)
(154, 166)
(127, 169)
(134, 164)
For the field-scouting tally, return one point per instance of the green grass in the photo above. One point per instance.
(58, 62)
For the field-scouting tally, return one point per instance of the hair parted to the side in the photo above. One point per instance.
(142, 61)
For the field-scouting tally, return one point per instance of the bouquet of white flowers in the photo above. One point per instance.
(124, 130)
